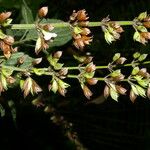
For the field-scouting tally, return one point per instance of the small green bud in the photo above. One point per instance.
(116, 56)
(136, 55)
(142, 57)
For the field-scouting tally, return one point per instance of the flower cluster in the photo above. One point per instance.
(80, 31)
(112, 30)
(57, 84)
(86, 77)
(6, 46)
(6, 41)
(29, 86)
(5, 79)
(141, 25)
(44, 32)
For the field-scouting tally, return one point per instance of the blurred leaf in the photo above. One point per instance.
(13, 110)
(13, 61)
(2, 111)
(26, 13)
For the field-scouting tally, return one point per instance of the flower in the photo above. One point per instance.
(4, 16)
(45, 36)
(6, 46)
(112, 30)
(43, 12)
(87, 92)
(81, 34)
(30, 86)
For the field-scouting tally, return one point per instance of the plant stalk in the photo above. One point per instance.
(64, 24)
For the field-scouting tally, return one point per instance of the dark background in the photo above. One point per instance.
(111, 125)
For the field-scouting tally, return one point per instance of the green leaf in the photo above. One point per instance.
(54, 86)
(13, 60)
(138, 78)
(136, 36)
(26, 13)
(134, 89)
(136, 55)
(58, 66)
(142, 16)
(77, 30)
(21, 83)
(89, 75)
(63, 84)
(142, 29)
(141, 91)
(143, 83)
(114, 95)
(116, 73)
(63, 34)
(38, 72)
(116, 56)
(135, 70)
(4, 82)
(142, 57)
(6, 71)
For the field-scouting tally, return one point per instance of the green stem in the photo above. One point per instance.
(64, 24)
(105, 67)
(123, 23)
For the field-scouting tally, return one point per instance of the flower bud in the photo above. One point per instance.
(106, 91)
(62, 91)
(87, 92)
(21, 59)
(49, 87)
(142, 72)
(146, 24)
(85, 31)
(90, 68)
(119, 78)
(10, 80)
(121, 60)
(145, 35)
(63, 71)
(78, 43)
(92, 81)
(43, 12)
(4, 16)
(133, 96)
(37, 61)
(48, 27)
(37, 102)
(147, 19)
(9, 40)
(88, 59)
(49, 109)
(148, 92)
(73, 16)
(119, 30)
(57, 54)
(81, 15)
(121, 90)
